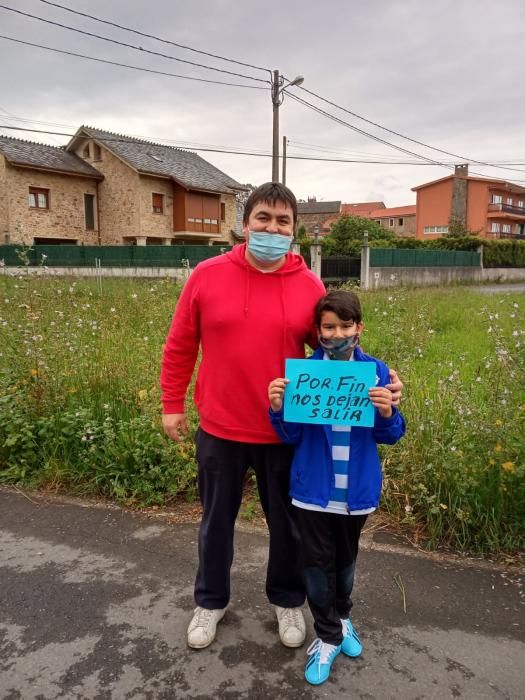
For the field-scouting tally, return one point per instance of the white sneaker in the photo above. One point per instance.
(203, 626)
(292, 629)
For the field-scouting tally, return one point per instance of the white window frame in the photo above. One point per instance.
(506, 228)
(497, 199)
(495, 227)
(509, 201)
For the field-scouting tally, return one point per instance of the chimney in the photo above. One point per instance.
(459, 203)
(461, 170)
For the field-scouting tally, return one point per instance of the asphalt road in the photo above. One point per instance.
(94, 603)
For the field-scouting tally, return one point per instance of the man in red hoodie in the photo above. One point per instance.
(248, 310)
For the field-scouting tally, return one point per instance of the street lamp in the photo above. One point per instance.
(278, 85)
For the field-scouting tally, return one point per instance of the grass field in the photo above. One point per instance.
(80, 405)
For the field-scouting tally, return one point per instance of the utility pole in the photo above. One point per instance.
(284, 160)
(276, 85)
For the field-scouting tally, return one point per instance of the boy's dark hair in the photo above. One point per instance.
(270, 192)
(346, 305)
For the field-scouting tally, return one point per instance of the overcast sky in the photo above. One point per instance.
(448, 73)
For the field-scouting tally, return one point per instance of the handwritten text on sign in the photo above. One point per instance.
(333, 392)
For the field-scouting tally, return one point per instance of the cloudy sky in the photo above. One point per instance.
(447, 73)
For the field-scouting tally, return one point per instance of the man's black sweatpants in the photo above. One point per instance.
(330, 543)
(222, 468)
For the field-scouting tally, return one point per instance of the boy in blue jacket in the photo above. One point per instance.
(335, 483)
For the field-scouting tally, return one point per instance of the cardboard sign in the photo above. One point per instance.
(332, 392)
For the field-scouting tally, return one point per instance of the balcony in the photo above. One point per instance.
(508, 209)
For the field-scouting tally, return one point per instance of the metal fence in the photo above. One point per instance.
(420, 257)
(340, 269)
(108, 255)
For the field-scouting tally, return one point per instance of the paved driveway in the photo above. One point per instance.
(94, 603)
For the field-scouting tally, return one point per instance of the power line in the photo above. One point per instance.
(379, 157)
(361, 131)
(130, 46)
(176, 143)
(316, 147)
(152, 36)
(127, 65)
(380, 140)
(116, 139)
(403, 136)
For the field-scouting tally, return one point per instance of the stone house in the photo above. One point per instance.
(399, 220)
(313, 213)
(105, 188)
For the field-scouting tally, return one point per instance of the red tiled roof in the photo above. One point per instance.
(505, 184)
(360, 208)
(409, 210)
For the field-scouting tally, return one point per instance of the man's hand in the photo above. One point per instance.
(276, 393)
(175, 425)
(396, 387)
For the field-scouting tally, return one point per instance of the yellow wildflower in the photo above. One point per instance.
(509, 467)
(498, 422)
(498, 448)
(142, 394)
(444, 506)
(34, 372)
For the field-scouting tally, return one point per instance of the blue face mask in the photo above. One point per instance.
(268, 247)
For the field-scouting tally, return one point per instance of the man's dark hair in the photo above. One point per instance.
(271, 193)
(346, 305)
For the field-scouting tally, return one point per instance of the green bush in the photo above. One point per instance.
(504, 253)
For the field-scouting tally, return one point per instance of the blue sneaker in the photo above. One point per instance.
(351, 645)
(320, 659)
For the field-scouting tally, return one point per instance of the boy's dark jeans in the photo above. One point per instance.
(330, 543)
(222, 468)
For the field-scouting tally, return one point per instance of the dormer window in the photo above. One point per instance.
(85, 151)
(97, 153)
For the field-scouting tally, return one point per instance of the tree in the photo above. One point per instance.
(458, 229)
(242, 196)
(347, 235)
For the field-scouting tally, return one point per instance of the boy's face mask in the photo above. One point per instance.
(339, 348)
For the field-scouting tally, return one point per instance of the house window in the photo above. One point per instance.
(223, 211)
(520, 203)
(89, 211)
(436, 229)
(85, 152)
(506, 228)
(38, 198)
(400, 222)
(497, 199)
(494, 227)
(509, 200)
(97, 153)
(157, 201)
(390, 222)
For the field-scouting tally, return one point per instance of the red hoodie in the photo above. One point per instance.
(247, 323)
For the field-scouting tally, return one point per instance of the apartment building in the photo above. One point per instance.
(494, 208)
